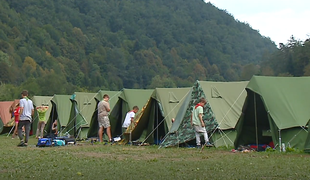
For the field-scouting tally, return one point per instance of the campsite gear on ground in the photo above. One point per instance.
(44, 142)
(116, 139)
(58, 142)
(67, 140)
(283, 147)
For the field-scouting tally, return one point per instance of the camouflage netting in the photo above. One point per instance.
(185, 131)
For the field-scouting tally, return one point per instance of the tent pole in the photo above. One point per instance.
(255, 113)
(156, 115)
(52, 121)
(74, 120)
(11, 130)
(280, 139)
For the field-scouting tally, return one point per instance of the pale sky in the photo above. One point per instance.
(277, 19)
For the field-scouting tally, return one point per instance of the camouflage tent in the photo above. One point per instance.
(221, 113)
(155, 120)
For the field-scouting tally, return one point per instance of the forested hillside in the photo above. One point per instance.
(291, 59)
(61, 46)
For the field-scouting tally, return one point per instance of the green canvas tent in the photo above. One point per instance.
(276, 110)
(226, 100)
(155, 121)
(126, 100)
(94, 127)
(307, 143)
(221, 113)
(83, 106)
(60, 111)
(40, 101)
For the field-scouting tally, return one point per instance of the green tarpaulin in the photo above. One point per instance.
(276, 110)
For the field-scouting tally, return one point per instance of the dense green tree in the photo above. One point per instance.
(291, 59)
(161, 82)
(248, 71)
(97, 44)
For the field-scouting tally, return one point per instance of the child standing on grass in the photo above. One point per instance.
(41, 124)
(198, 124)
(16, 118)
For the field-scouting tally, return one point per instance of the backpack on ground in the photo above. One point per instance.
(44, 142)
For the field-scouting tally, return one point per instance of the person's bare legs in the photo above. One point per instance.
(100, 134)
(38, 130)
(42, 129)
(109, 133)
(15, 130)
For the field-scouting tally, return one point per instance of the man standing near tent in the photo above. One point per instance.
(198, 124)
(26, 113)
(103, 117)
(129, 119)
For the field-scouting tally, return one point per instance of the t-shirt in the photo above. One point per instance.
(27, 111)
(16, 113)
(195, 117)
(42, 113)
(128, 117)
(102, 108)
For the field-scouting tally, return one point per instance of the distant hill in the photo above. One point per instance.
(59, 46)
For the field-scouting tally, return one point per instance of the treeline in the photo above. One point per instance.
(291, 59)
(59, 46)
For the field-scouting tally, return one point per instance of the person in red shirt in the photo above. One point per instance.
(16, 118)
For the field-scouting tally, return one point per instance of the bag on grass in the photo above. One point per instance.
(67, 140)
(58, 142)
(44, 142)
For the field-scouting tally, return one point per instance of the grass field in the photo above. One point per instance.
(86, 161)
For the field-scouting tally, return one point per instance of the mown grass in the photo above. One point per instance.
(86, 161)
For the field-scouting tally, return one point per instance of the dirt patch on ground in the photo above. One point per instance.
(117, 156)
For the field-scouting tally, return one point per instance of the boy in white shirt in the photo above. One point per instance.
(129, 118)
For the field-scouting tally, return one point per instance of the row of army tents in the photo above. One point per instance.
(259, 111)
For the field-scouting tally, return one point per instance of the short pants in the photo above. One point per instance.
(104, 121)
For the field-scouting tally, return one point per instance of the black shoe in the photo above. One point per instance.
(21, 144)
